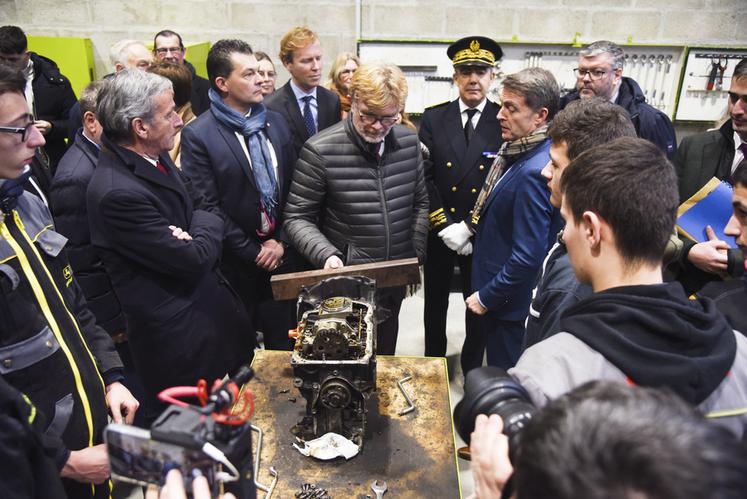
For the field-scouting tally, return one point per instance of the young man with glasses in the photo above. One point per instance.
(358, 193)
(168, 46)
(50, 346)
(600, 74)
(461, 136)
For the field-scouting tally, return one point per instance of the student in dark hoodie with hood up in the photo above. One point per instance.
(620, 202)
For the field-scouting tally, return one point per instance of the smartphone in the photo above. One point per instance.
(135, 458)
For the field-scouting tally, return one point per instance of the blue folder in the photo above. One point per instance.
(711, 205)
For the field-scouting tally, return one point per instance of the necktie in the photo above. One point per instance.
(162, 168)
(743, 149)
(469, 129)
(308, 118)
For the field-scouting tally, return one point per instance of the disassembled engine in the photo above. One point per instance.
(334, 358)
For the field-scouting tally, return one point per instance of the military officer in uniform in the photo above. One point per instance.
(462, 136)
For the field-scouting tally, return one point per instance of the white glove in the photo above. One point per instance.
(455, 236)
(465, 250)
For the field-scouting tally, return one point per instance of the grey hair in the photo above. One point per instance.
(120, 51)
(605, 47)
(538, 87)
(89, 95)
(128, 95)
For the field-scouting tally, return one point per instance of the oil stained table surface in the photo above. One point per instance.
(414, 453)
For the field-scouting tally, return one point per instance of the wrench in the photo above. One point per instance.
(379, 490)
(273, 472)
(410, 407)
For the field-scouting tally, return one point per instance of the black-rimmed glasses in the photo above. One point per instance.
(166, 50)
(594, 74)
(22, 131)
(370, 119)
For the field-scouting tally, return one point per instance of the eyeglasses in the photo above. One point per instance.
(735, 97)
(594, 74)
(267, 74)
(23, 132)
(166, 50)
(370, 119)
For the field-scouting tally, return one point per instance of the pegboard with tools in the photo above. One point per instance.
(429, 71)
(705, 83)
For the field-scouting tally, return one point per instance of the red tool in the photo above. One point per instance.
(228, 402)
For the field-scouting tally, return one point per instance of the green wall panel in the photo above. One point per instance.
(74, 56)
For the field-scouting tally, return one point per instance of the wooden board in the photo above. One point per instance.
(387, 274)
(414, 454)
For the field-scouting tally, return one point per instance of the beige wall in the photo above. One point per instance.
(262, 22)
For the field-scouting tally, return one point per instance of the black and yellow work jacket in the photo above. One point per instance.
(50, 346)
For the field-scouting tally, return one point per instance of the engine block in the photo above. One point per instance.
(334, 357)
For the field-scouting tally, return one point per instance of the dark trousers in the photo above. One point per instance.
(388, 303)
(439, 268)
(504, 339)
(273, 318)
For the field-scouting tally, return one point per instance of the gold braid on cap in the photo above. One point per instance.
(474, 52)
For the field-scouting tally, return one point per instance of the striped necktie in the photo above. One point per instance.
(308, 118)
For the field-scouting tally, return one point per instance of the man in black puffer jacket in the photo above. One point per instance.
(358, 193)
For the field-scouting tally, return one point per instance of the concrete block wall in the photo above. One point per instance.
(263, 22)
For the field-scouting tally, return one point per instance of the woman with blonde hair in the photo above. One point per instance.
(267, 70)
(340, 76)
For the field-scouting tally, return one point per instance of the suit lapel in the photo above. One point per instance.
(87, 149)
(455, 131)
(325, 109)
(477, 146)
(291, 108)
(232, 142)
(503, 182)
(272, 134)
(144, 169)
(719, 161)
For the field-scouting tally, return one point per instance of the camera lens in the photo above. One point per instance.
(490, 390)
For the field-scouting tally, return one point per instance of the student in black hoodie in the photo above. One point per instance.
(620, 202)
(582, 125)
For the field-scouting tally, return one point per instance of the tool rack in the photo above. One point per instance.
(662, 72)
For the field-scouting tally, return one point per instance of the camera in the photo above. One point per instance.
(212, 439)
(491, 390)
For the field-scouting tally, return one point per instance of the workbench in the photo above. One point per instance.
(414, 454)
